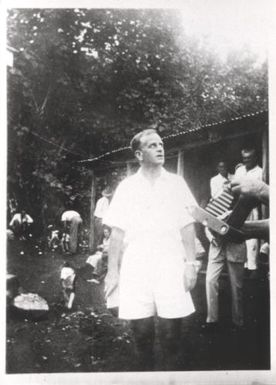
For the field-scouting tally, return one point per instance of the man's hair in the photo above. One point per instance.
(247, 150)
(136, 140)
(67, 264)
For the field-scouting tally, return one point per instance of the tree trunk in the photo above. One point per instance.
(92, 209)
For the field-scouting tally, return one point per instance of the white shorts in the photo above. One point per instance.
(153, 285)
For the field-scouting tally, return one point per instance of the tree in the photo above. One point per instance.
(85, 80)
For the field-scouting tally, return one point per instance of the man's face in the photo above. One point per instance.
(106, 233)
(249, 160)
(151, 150)
(222, 169)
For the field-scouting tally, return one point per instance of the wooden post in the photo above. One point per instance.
(92, 209)
(180, 163)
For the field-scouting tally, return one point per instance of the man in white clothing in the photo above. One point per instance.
(153, 230)
(223, 252)
(99, 213)
(220, 181)
(20, 224)
(71, 219)
(250, 169)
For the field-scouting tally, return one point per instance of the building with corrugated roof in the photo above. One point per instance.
(194, 153)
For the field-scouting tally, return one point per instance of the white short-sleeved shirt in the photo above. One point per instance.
(69, 215)
(254, 173)
(151, 275)
(67, 273)
(94, 259)
(101, 207)
(18, 217)
(217, 183)
(151, 212)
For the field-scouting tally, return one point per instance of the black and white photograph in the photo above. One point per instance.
(137, 181)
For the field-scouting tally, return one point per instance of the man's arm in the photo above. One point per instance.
(256, 229)
(114, 254)
(12, 221)
(29, 219)
(251, 188)
(188, 240)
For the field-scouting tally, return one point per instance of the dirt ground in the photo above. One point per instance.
(90, 339)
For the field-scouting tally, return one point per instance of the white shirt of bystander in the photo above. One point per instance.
(101, 207)
(67, 273)
(254, 173)
(69, 215)
(18, 217)
(217, 184)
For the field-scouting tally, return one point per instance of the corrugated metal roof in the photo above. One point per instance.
(126, 149)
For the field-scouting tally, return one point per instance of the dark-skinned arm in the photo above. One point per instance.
(256, 229)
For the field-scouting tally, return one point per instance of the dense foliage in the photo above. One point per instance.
(85, 80)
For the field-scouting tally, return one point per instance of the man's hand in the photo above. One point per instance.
(190, 276)
(111, 283)
(251, 188)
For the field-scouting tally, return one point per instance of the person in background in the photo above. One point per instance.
(71, 219)
(106, 239)
(221, 252)
(53, 238)
(68, 284)
(96, 265)
(153, 239)
(98, 261)
(250, 169)
(220, 182)
(65, 240)
(12, 207)
(21, 224)
(99, 213)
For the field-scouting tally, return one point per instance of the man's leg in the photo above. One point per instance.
(143, 330)
(17, 229)
(65, 296)
(170, 333)
(27, 231)
(236, 270)
(71, 300)
(252, 246)
(214, 269)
